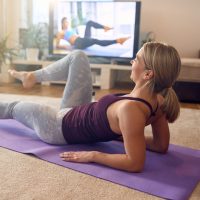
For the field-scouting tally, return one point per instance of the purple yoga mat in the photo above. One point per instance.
(172, 176)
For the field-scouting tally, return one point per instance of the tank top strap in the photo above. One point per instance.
(143, 101)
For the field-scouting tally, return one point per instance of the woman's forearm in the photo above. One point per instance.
(118, 161)
(152, 145)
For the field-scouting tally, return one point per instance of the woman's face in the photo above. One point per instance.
(65, 24)
(138, 66)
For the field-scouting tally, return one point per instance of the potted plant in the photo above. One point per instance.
(35, 40)
(5, 52)
(6, 55)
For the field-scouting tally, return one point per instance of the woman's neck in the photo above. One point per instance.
(142, 91)
(65, 29)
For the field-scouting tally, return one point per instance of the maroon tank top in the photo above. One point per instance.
(89, 123)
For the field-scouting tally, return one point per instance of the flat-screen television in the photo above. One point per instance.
(106, 29)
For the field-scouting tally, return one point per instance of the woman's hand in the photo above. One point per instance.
(78, 156)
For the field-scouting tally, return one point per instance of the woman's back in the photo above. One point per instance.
(98, 121)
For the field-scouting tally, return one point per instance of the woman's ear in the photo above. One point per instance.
(148, 74)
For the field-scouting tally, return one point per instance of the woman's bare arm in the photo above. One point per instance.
(131, 122)
(161, 136)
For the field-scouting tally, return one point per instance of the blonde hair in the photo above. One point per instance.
(165, 62)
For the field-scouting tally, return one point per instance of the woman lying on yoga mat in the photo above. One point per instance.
(152, 101)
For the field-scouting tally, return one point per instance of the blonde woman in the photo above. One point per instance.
(152, 101)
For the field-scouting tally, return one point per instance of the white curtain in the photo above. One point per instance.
(2, 18)
(40, 11)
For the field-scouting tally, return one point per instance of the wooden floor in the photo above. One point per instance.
(56, 90)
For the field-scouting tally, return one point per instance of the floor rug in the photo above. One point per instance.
(172, 176)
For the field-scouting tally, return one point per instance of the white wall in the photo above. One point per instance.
(176, 22)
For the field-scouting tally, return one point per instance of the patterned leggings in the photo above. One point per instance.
(46, 120)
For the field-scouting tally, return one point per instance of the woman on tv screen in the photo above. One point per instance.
(77, 42)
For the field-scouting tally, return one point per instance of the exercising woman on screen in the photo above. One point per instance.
(152, 101)
(83, 42)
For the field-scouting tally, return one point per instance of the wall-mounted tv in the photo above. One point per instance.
(104, 28)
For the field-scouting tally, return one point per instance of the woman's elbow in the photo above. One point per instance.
(163, 149)
(135, 167)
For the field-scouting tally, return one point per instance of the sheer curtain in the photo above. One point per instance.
(33, 12)
(40, 11)
(2, 18)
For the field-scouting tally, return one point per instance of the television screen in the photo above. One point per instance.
(102, 28)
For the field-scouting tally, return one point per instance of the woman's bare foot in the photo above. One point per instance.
(122, 40)
(27, 78)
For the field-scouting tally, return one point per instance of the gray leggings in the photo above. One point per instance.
(45, 120)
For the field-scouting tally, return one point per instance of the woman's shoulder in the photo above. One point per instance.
(134, 108)
(61, 33)
(131, 116)
(130, 108)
